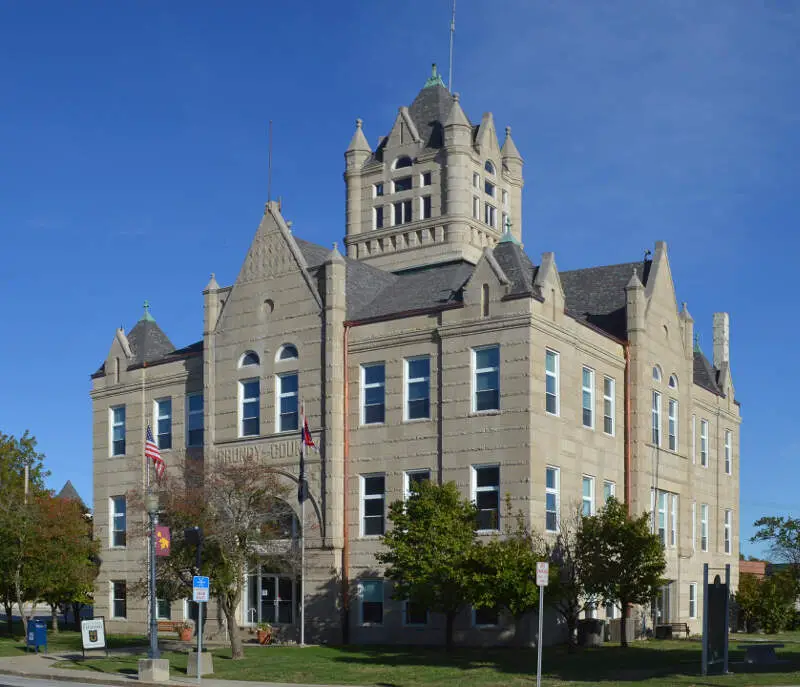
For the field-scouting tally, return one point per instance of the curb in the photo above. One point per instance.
(110, 680)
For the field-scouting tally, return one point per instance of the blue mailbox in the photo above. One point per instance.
(37, 635)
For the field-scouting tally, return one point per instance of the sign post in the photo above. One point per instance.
(200, 595)
(542, 576)
(93, 634)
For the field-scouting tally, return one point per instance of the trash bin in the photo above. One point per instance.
(590, 632)
(37, 635)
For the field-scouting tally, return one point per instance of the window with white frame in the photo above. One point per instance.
(505, 222)
(476, 180)
(373, 393)
(377, 214)
(486, 379)
(425, 207)
(402, 212)
(728, 452)
(377, 190)
(249, 407)
(287, 352)
(587, 397)
(402, 184)
(673, 520)
(551, 392)
(662, 517)
(488, 616)
(373, 498)
(489, 188)
(673, 382)
(694, 439)
(163, 408)
(552, 497)
(694, 525)
(476, 207)
(119, 599)
(704, 527)
(489, 166)
(656, 373)
(414, 614)
(117, 421)
(194, 420)
(486, 495)
(504, 197)
(119, 517)
(249, 359)
(287, 404)
(490, 214)
(587, 495)
(402, 162)
(418, 388)
(425, 179)
(609, 490)
(609, 405)
(370, 594)
(728, 530)
(412, 477)
(692, 600)
(672, 425)
(704, 443)
(656, 415)
(163, 609)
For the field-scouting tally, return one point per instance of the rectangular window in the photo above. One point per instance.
(373, 387)
(657, 418)
(194, 420)
(611, 611)
(476, 180)
(609, 490)
(415, 614)
(370, 593)
(704, 527)
(119, 599)
(609, 404)
(506, 223)
(163, 609)
(476, 207)
(402, 184)
(673, 526)
(378, 216)
(587, 507)
(287, 402)
(485, 617)
(673, 424)
(486, 495)
(425, 179)
(377, 190)
(486, 378)
(490, 215)
(587, 397)
(704, 443)
(411, 477)
(402, 212)
(505, 199)
(552, 498)
(119, 516)
(373, 496)
(662, 517)
(250, 407)
(692, 600)
(418, 388)
(489, 188)
(728, 529)
(694, 439)
(694, 525)
(425, 207)
(728, 452)
(117, 416)
(551, 394)
(164, 423)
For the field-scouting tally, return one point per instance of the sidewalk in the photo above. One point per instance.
(41, 666)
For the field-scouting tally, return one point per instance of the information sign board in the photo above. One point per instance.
(199, 588)
(542, 573)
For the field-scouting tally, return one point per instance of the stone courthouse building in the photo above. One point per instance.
(435, 348)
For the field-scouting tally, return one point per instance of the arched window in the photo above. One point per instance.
(402, 161)
(280, 520)
(656, 373)
(249, 358)
(673, 382)
(489, 167)
(287, 352)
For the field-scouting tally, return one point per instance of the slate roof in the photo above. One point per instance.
(148, 343)
(597, 294)
(429, 112)
(69, 493)
(706, 375)
(517, 267)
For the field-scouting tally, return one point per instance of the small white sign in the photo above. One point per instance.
(93, 633)
(200, 585)
(542, 573)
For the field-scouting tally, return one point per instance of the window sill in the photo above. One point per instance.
(118, 455)
(481, 413)
(487, 532)
(412, 420)
(549, 414)
(118, 548)
(370, 624)
(116, 618)
(370, 537)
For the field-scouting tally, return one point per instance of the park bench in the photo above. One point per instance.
(680, 628)
(761, 654)
(169, 625)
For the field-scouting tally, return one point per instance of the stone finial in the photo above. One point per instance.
(359, 123)
(147, 317)
(334, 255)
(509, 149)
(634, 282)
(359, 142)
(457, 116)
(212, 283)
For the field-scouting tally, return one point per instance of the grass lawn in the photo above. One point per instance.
(65, 640)
(647, 663)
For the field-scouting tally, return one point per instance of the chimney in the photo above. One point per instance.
(721, 339)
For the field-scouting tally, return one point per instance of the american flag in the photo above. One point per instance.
(305, 441)
(151, 451)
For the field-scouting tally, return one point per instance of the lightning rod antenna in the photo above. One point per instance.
(269, 165)
(452, 33)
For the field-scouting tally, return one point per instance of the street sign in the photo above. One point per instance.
(542, 573)
(199, 588)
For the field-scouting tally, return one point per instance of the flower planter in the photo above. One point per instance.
(263, 636)
(186, 635)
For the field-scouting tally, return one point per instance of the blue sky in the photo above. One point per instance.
(133, 148)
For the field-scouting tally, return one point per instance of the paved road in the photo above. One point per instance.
(15, 681)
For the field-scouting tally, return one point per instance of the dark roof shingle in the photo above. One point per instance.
(148, 342)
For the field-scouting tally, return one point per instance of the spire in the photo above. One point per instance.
(507, 237)
(697, 348)
(634, 282)
(359, 142)
(435, 79)
(509, 150)
(456, 116)
(212, 283)
(334, 255)
(147, 317)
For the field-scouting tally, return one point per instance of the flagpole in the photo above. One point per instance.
(303, 533)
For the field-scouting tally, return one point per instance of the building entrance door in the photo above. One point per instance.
(270, 598)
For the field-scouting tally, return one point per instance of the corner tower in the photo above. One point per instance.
(436, 189)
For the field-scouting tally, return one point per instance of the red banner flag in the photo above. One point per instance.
(162, 540)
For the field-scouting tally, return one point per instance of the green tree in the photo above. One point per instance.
(748, 598)
(430, 550)
(782, 535)
(623, 561)
(777, 594)
(505, 570)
